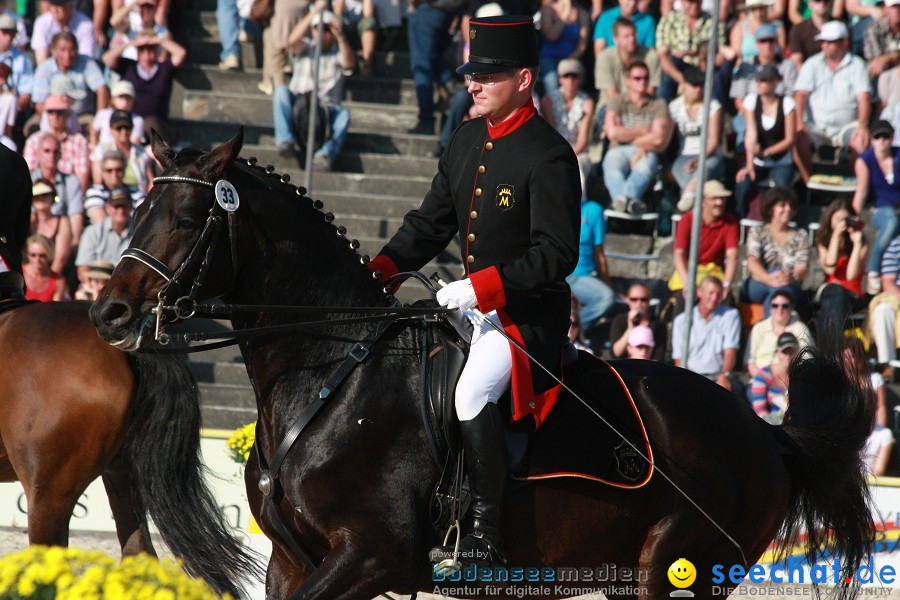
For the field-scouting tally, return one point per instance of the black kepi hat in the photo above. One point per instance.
(500, 43)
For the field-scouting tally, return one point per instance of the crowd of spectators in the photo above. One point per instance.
(79, 93)
(84, 81)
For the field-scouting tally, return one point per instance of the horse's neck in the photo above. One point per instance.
(300, 263)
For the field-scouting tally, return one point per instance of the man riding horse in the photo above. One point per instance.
(508, 185)
(15, 218)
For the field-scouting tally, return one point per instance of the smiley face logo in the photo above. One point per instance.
(682, 573)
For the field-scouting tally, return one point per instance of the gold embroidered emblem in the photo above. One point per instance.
(506, 196)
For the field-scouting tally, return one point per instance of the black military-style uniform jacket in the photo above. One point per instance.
(513, 195)
(15, 209)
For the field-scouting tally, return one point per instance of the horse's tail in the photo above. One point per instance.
(163, 448)
(830, 416)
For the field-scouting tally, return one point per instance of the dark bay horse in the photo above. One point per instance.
(356, 484)
(73, 408)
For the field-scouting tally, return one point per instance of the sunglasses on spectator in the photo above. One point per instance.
(573, 75)
(766, 41)
(146, 48)
(779, 306)
(57, 112)
(640, 77)
(114, 170)
(639, 299)
(38, 255)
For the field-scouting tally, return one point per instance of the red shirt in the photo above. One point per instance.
(840, 276)
(715, 239)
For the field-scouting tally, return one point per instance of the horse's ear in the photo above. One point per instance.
(161, 150)
(215, 163)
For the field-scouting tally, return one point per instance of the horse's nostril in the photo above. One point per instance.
(116, 313)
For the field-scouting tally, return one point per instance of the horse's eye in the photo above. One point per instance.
(186, 223)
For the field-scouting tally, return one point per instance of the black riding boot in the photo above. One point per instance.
(484, 443)
(12, 286)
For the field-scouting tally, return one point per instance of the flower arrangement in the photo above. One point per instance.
(54, 573)
(240, 443)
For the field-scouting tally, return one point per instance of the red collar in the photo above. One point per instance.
(518, 118)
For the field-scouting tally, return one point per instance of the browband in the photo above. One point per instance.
(180, 179)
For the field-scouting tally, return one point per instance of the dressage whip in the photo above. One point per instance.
(519, 347)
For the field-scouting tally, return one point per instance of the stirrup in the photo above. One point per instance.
(451, 564)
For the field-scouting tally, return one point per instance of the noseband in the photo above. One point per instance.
(184, 306)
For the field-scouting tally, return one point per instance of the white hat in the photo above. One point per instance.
(122, 88)
(833, 31)
(752, 3)
(326, 16)
(892, 2)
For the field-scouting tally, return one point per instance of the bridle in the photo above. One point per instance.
(184, 306)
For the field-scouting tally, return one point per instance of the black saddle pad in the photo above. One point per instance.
(574, 442)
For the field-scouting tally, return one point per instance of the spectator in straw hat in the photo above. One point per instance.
(16, 23)
(133, 18)
(95, 278)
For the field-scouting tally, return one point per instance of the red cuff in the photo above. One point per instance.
(488, 289)
(384, 264)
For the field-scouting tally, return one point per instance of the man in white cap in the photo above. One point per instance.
(882, 42)
(833, 96)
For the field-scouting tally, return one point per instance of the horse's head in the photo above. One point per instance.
(180, 251)
(213, 227)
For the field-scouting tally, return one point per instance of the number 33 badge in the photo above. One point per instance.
(227, 196)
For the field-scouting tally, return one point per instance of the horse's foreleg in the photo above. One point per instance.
(128, 511)
(347, 573)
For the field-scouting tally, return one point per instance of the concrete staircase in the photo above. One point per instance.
(382, 173)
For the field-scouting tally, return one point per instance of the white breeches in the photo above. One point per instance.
(487, 372)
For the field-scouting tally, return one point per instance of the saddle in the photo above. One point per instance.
(573, 442)
(12, 291)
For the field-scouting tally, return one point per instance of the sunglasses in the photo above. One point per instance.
(572, 75)
(640, 77)
(38, 255)
(487, 79)
(639, 299)
(766, 41)
(114, 170)
(780, 306)
(57, 112)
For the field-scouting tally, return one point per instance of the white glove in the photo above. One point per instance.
(458, 294)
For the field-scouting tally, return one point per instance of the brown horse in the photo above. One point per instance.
(73, 408)
(353, 492)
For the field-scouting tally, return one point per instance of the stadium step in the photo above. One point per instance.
(206, 134)
(385, 90)
(257, 108)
